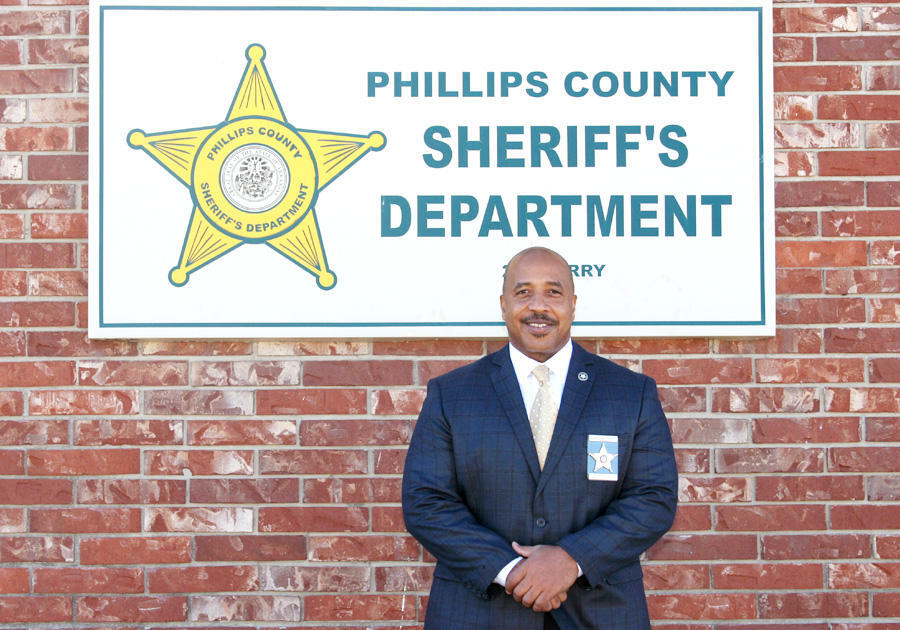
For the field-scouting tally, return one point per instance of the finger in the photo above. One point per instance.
(522, 550)
(530, 597)
(515, 576)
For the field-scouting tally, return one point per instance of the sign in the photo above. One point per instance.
(342, 170)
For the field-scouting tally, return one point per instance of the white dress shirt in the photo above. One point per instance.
(528, 384)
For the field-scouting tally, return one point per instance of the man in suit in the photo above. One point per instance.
(539, 474)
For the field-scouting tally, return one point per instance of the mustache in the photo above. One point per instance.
(539, 318)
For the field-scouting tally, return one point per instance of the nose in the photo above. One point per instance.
(538, 302)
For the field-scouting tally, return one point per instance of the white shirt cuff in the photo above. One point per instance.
(504, 572)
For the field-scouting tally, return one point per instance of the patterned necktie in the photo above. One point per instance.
(543, 413)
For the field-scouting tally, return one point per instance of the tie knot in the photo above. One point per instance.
(542, 373)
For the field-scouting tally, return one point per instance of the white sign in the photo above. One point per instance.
(366, 171)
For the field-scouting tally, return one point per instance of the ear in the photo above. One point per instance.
(502, 306)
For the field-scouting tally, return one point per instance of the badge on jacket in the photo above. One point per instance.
(603, 457)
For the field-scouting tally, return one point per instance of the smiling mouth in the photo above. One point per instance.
(539, 326)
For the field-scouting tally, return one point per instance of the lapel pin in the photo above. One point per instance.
(582, 376)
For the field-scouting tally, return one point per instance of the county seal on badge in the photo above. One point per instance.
(254, 178)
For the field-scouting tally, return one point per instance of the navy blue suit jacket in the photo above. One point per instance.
(472, 484)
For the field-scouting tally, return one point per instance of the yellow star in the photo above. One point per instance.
(254, 178)
(603, 459)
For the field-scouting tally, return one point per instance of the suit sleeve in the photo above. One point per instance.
(645, 507)
(436, 513)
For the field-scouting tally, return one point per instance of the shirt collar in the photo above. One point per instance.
(558, 363)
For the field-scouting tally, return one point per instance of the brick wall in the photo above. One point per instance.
(256, 483)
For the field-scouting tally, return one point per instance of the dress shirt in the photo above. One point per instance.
(528, 383)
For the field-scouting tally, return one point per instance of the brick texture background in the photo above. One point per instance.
(255, 484)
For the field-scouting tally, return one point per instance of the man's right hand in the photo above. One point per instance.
(542, 580)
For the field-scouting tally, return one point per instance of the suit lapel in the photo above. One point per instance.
(506, 385)
(579, 381)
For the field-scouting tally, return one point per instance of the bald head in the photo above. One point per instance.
(542, 252)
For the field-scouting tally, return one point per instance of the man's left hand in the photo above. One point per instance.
(541, 581)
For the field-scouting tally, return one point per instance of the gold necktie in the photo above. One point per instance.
(543, 414)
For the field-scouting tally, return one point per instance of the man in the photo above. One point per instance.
(537, 517)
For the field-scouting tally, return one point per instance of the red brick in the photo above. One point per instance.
(702, 606)
(704, 547)
(55, 167)
(788, 49)
(862, 340)
(36, 548)
(42, 609)
(12, 521)
(130, 491)
(59, 225)
(769, 460)
(396, 401)
(199, 462)
(804, 430)
(37, 196)
(86, 520)
(883, 487)
(883, 78)
(35, 138)
(884, 311)
(123, 432)
(814, 20)
(856, 48)
(294, 348)
(10, 52)
(328, 579)
(406, 578)
(887, 546)
(252, 548)
(785, 341)
(14, 580)
(12, 463)
(220, 373)
(203, 579)
(818, 546)
(351, 490)
(796, 223)
(861, 223)
(136, 550)
(666, 577)
(88, 580)
(11, 226)
(370, 548)
(310, 401)
(246, 608)
(131, 609)
(820, 253)
(81, 142)
(816, 135)
(819, 193)
(883, 136)
(806, 488)
(242, 432)
(663, 345)
(75, 344)
(710, 431)
(11, 403)
(765, 399)
(84, 462)
(354, 432)
(682, 399)
(313, 519)
(864, 575)
(34, 23)
(83, 402)
(58, 283)
(37, 373)
(862, 107)
(389, 461)
(198, 402)
(885, 604)
(428, 370)
(865, 626)
(880, 18)
(37, 255)
(793, 107)
(58, 51)
(712, 490)
(769, 517)
(767, 576)
(356, 373)
(810, 370)
(429, 347)
(313, 462)
(198, 519)
(884, 370)
(849, 163)
(864, 459)
(358, 607)
(195, 348)
(801, 281)
(865, 517)
(690, 371)
(269, 490)
(13, 432)
(813, 605)
(795, 164)
(885, 253)
(35, 491)
(387, 519)
(135, 373)
(862, 399)
(883, 429)
(816, 78)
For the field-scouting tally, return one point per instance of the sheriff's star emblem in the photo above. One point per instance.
(254, 178)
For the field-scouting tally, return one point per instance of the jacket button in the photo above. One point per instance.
(541, 522)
